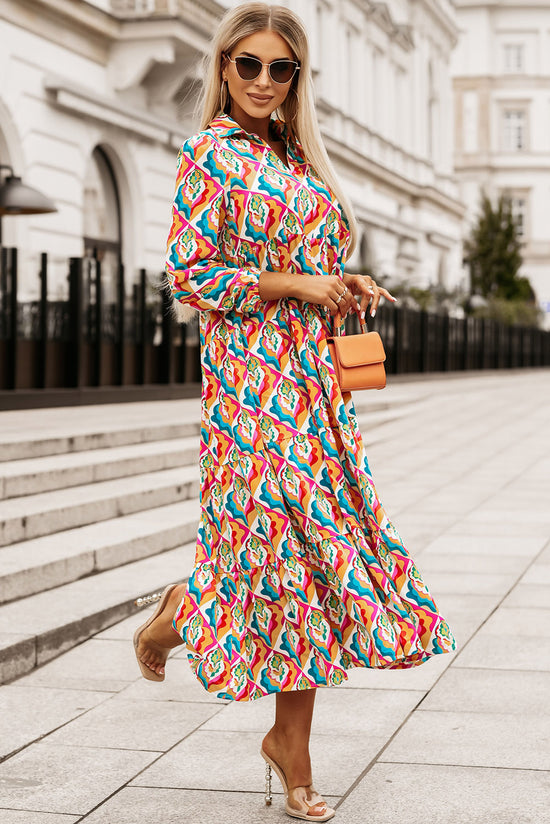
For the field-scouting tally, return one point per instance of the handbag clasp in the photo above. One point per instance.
(341, 323)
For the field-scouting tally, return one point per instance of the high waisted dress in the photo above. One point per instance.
(299, 575)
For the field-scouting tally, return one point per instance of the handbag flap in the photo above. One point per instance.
(359, 350)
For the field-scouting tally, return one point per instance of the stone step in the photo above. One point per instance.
(34, 433)
(36, 629)
(31, 516)
(74, 429)
(33, 566)
(31, 476)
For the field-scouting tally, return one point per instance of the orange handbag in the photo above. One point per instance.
(358, 359)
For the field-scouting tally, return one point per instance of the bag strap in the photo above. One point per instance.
(338, 323)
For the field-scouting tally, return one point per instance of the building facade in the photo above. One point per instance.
(96, 98)
(501, 70)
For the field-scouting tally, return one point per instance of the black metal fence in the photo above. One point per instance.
(131, 340)
(418, 341)
(88, 341)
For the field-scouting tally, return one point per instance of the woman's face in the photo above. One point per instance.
(255, 100)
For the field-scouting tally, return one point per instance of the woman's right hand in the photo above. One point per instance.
(329, 291)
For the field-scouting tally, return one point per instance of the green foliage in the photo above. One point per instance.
(520, 312)
(424, 298)
(493, 253)
(434, 299)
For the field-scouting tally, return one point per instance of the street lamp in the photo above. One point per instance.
(18, 199)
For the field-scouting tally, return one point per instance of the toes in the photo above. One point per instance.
(318, 809)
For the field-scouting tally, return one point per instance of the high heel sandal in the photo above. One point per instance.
(303, 798)
(162, 598)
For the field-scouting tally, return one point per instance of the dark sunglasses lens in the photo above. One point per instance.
(248, 67)
(281, 71)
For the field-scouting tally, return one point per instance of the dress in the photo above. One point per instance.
(299, 575)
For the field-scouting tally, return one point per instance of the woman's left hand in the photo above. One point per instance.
(368, 289)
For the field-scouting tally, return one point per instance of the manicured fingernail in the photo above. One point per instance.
(362, 315)
(394, 300)
(373, 313)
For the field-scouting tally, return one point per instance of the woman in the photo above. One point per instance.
(299, 575)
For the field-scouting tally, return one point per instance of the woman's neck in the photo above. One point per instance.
(253, 125)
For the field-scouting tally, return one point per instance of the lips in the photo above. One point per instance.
(260, 98)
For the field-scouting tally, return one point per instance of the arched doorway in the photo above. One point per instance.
(102, 285)
(102, 240)
(102, 246)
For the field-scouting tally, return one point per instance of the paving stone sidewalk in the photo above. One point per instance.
(463, 739)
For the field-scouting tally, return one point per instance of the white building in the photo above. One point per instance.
(385, 103)
(96, 98)
(501, 70)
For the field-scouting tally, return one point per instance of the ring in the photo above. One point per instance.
(340, 298)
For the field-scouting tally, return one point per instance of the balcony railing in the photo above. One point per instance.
(147, 8)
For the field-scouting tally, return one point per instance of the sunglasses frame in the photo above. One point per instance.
(269, 65)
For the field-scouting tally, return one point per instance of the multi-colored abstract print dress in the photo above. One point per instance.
(299, 575)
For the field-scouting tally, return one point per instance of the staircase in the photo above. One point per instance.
(98, 506)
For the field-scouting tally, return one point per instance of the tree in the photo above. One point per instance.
(493, 253)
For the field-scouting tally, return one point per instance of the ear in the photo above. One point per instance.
(224, 66)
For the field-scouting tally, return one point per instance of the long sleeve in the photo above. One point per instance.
(195, 268)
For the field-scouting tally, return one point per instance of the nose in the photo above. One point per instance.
(263, 78)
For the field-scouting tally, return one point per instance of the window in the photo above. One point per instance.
(514, 131)
(519, 211)
(377, 96)
(470, 121)
(514, 58)
(519, 201)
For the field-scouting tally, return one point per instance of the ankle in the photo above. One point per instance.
(291, 751)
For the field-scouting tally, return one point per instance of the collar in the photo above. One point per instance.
(224, 126)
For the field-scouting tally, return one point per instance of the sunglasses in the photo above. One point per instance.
(280, 71)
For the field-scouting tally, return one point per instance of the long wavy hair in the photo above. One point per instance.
(298, 109)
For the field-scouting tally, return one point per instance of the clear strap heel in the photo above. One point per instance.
(299, 801)
(268, 796)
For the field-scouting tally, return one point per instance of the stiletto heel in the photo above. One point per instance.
(268, 796)
(303, 798)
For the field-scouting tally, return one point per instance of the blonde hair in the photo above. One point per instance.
(298, 108)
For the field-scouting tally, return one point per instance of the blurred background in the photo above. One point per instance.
(435, 113)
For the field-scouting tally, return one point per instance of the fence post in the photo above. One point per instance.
(98, 349)
(167, 349)
(43, 322)
(182, 377)
(480, 360)
(121, 301)
(142, 333)
(398, 339)
(532, 347)
(424, 341)
(75, 323)
(511, 337)
(445, 342)
(12, 338)
(496, 344)
(464, 358)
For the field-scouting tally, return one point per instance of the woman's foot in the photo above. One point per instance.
(154, 639)
(292, 757)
